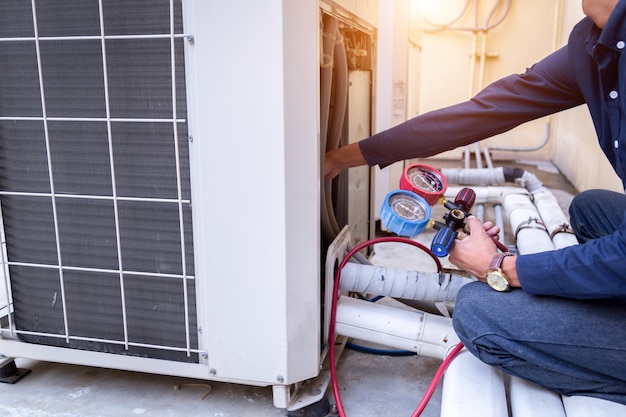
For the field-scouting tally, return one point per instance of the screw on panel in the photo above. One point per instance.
(212, 371)
(280, 379)
(190, 39)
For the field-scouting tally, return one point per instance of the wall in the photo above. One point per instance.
(445, 70)
(448, 73)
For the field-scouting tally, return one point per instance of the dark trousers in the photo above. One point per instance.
(570, 346)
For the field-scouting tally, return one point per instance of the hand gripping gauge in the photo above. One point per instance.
(454, 220)
(405, 213)
(424, 181)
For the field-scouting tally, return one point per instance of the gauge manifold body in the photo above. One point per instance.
(405, 213)
(425, 181)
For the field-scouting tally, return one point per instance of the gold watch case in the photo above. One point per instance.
(495, 277)
(497, 280)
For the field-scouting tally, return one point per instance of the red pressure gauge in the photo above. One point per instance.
(424, 181)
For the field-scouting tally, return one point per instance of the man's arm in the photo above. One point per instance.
(547, 87)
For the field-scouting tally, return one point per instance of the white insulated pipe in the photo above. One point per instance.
(582, 406)
(530, 233)
(426, 334)
(398, 283)
(524, 397)
(489, 194)
(523, 215)
(472, 388)
(554, 219)
(479, 176)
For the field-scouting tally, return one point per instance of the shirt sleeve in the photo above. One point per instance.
(547, 87)
(594, 269)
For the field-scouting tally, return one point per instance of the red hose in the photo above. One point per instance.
(333, 316)
(435, 381)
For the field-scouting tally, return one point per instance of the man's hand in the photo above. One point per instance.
(473, 253)
(342, 158)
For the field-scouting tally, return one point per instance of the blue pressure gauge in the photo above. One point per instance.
(405, 213)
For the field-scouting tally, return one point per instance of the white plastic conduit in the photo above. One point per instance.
(488, 195)
(426, 334)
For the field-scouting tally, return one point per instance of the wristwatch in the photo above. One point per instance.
(495, 276)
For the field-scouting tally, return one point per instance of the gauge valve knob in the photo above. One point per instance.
(443, 241)
(465, 199)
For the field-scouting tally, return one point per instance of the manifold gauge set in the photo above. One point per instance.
(407, 211)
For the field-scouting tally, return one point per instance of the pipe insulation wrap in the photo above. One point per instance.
(481, 177)
(491, 176)
(530, 181)
(398, 283)
(426, 334)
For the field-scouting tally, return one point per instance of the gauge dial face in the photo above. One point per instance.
(425, 180)
(407, 207)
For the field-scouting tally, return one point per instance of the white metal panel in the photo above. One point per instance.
(255, 169)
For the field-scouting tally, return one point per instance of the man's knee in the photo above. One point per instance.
(469, 318)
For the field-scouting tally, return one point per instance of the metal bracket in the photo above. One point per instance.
(9, 372)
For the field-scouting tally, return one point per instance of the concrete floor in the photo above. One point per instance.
(371, 385)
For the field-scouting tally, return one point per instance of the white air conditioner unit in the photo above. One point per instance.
(159, 186)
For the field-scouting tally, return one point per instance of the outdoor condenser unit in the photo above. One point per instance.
(159, 187)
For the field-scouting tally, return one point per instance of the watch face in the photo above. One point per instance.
(497, 281)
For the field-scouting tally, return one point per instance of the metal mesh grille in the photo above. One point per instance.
(94, 176)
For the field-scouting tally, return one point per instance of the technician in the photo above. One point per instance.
(566, 328)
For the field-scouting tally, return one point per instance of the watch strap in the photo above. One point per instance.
(496, 261)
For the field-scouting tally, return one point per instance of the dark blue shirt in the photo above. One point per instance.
(590, 69)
